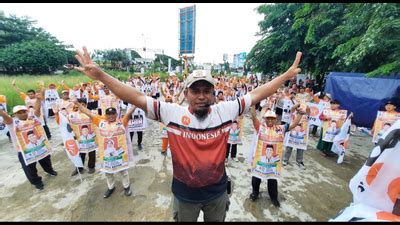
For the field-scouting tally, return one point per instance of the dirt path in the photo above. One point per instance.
(315, 194)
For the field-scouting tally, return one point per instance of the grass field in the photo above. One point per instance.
(26, 82)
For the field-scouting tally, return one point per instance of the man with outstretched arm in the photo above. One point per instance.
(197, 133)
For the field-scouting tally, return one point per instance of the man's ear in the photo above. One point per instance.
(185, 92)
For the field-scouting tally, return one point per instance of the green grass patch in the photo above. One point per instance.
(26, 82)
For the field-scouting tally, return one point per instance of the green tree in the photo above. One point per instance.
(351, 37)
(33, 57)
(28, 49)
(372, 43)
(278, 41)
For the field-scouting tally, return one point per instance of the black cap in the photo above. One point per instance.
(390, 102)
(111, 111)
(335, 102)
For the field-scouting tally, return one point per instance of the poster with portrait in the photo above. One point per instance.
(3, 106)
(298, 136)
(138, 122)
(234, 133)
(107, 101)
(331, 127)
(113, 148)
(267, 160)
(383, 122)
(84, 131)
(315, 112)
(302, 99)
(32, 140)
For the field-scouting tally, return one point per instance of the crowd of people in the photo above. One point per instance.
(201, 125)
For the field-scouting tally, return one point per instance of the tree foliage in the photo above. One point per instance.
(25, 48)
(348, 37)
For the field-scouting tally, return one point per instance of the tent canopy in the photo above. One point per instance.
(362, 95)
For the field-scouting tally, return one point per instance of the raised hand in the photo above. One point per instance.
(88, 67)
(294, 70)
(39, 96)
(3, 113)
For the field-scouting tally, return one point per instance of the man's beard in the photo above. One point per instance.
(201, 114)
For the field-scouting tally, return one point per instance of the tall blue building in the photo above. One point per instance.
(187, 22)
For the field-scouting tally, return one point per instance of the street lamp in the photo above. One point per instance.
(144, 49)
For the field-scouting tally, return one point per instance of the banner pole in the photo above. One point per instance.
(80, 177)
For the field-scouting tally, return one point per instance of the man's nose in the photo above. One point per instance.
(202, 95)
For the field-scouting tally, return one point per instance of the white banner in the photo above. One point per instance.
(377, 184)
(340, 142)
(70, 144)
(138, 121)
(50, 98)
(286, 115)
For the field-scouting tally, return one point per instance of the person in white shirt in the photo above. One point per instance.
(21, 116)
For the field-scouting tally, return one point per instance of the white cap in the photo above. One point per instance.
(19, 108)
(328, 95)
(269, 113)
(172, 74)
(198, 75)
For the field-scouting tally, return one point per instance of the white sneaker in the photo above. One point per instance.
(284, 163)
(235, 159)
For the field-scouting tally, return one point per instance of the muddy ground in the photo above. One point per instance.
(315, 194)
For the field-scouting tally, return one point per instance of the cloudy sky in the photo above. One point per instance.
(220, 28)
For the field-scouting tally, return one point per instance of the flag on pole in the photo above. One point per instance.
(376, 186)
(340, 141)
(70, 144)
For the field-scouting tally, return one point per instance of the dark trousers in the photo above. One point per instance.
(92, 105)
(314, 130)
(278, 111)
(233, 150)
(47, 130)
(258, 106)
(139, 134)
(50, 112)
(31, 171)
(156, 96)
(272, 187)
(92, 159)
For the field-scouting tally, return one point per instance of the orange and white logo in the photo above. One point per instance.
(72, 147)
(185, 120)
